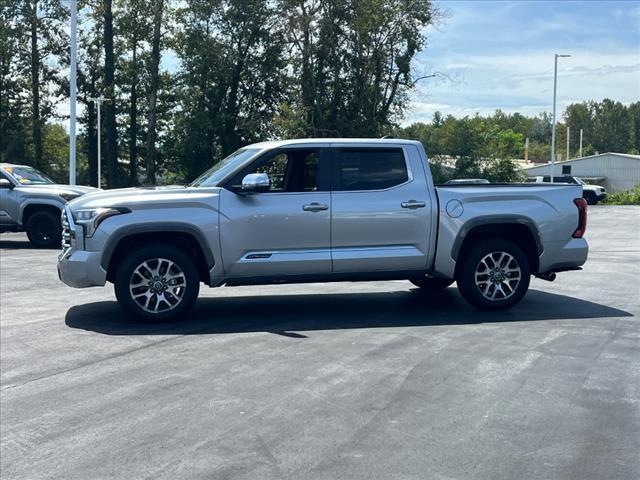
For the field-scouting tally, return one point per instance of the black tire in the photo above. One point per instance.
(471, 262)
(431, 283)
(185, 290)
(44, 230)
(590, 198)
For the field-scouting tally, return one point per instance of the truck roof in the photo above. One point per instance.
(355, 141)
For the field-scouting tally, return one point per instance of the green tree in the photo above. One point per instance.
(13, 88)
(133, 24)
(634, 117)
(34, 45)
(579, 116)
(611, 127)
(232, 81)
(353, 61)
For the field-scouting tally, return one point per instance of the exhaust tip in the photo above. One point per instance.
(549, 277)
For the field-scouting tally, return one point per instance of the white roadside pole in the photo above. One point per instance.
(72, 100)
(568, 136)
(98, 102)
(553, 128)
(580, 154)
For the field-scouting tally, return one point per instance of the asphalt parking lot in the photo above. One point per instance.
(337, 381)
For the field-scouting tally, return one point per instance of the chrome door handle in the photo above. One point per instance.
(314, 207)
(413, 204)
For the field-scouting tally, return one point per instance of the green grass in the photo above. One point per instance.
(630, 197)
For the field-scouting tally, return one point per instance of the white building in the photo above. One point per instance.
(614, 171)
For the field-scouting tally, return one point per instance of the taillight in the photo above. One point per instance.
(581, 203)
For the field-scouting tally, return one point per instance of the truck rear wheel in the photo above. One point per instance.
(494, 275)
(157, 283)
(44, 230)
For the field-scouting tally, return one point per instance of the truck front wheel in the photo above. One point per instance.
(157, 283)
(494, 275)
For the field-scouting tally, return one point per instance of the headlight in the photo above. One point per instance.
(69, 196)
(91, 218)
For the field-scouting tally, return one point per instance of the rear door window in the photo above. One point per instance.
(369, 169)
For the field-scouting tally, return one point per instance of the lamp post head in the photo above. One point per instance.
(562, 56)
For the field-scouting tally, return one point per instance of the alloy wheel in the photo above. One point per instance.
(157, 285)
(497, 276)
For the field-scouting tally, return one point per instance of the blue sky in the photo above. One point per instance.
(499, 54)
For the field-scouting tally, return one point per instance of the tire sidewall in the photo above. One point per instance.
(55, 225)
(466, 280)
(139, 255)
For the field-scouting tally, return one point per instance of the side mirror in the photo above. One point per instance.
(255, 183)
(4, 183)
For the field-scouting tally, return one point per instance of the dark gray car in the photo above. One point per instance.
(32, 202)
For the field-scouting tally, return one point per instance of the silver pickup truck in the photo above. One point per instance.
(321, 210)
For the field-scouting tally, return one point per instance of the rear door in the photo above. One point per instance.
(381, 212)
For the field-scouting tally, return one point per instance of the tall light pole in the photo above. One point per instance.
(98, 102)
(580, 143)
(72, 94)
(553, 128)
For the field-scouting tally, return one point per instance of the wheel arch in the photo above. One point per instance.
(522, 231)
(186, 238)
(30, 208)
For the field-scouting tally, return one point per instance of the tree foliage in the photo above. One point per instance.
(189, 81)
(480, 146)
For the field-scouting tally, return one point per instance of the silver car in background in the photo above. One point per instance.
(32, 202)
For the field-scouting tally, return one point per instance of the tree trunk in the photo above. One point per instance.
(36, 122)
(153, 92)
(92, 144)
(110, 128)
(133, 118)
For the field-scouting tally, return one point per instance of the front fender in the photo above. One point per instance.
(200, 223)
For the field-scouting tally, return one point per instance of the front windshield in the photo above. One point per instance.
(217, 173)
(579, 181)
(28, 175)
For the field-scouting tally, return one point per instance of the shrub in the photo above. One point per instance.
(630, 197)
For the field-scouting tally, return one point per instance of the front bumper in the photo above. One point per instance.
(81, 269)
(77, 267)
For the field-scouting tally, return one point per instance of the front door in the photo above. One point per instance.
(381, 210)
(285, 231)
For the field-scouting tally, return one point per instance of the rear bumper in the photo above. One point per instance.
(561, 256)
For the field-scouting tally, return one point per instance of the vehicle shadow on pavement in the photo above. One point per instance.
(287, 314)
(19, 245)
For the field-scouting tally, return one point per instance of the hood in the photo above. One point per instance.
(57, 189)
(145, 197)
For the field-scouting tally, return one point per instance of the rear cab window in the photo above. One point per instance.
(357, 169)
